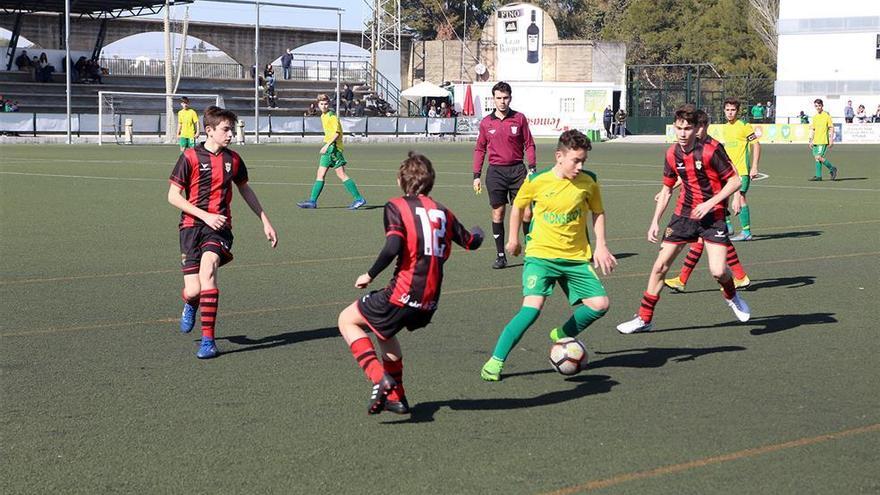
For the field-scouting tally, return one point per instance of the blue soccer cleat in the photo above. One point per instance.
(308, 204)
(357, 204)
(187, 318)
(207, 349)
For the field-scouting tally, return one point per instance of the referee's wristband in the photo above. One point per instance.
(532, 169)
(477, 175)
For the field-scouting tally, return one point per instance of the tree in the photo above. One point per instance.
(763, 15)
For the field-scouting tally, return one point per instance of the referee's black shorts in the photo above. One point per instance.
(503, 182)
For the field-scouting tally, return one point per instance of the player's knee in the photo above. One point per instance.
(719, 273)
(598, 304)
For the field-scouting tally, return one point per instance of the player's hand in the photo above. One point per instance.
(270, 235)
(653, 231)
(363, 281)
(810, 146)
(657, 197)
(513, 247)
(214, 221)
(324, 149)
(753, 173)
(532, 169)
(701, 210)
(604, 260)
(477, 232)
(830, 143)
(478, 186)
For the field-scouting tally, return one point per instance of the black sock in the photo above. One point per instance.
(498, 234)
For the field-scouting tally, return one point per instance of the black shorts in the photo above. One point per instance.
(197, 240)
(681, 230)
(503, 182)
(386, 319)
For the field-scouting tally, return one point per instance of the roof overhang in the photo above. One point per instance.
(93, 9)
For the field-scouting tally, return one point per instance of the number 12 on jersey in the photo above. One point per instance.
(433, 223)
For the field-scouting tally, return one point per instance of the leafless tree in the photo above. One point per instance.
(763, 15)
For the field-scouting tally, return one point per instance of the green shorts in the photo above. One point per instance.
(819, 149)
(746, 182)
(333, 158)
(187, 142)
(576, 278)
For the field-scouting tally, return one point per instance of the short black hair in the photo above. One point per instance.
(502, 87)
(688, 113)
(215, 116)
(819, 101)
(732, 101)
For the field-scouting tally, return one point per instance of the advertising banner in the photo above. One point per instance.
(519, 41)
(860, 133)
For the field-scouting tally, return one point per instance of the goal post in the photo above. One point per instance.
(145, 111)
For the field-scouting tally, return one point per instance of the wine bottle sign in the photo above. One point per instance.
(519, 40)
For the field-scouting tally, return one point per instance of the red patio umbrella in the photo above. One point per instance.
(467, 107)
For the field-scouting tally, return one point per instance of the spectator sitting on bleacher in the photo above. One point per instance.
(312, 111)
(93, 71)
(347, 98)
(36, 68)
(445, 112)
(44, 73)
(79, 68)
(22, 61)
(359, 107)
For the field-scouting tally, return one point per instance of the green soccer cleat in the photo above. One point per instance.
(675, 284)
(557, 334)
(491, 371)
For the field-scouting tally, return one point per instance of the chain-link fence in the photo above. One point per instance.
(654, 92)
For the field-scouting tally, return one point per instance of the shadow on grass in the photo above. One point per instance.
(655, 357)
(765, 283)
(784, 235)
(586, 385)
(279, 340)
(623, 256)
(767, 324)
(841, 179)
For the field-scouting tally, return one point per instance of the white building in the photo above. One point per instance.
(828, 50)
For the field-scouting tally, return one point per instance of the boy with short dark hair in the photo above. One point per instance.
(558, 249)
(332, 157)
(707, 180)
(201, 187)
(418, 232)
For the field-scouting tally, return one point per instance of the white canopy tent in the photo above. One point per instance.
(424, 90)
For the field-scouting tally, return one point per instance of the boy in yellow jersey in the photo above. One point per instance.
(558, 248)
(744, 151)
(187, 125)
(821, 140)
(332, 157)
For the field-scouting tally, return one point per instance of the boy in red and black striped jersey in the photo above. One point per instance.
(201, 187)
(707, 180)
(418, 232)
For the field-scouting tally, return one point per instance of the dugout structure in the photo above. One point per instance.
(654, 92)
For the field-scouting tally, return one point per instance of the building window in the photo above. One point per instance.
(566, 105)
(488, 105)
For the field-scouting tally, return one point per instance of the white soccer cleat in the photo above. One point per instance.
(636, 325)
(740, 308)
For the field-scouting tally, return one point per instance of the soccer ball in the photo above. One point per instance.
(568, 356)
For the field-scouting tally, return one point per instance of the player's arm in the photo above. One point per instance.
(529, 141)
(479, 156)
(602, 257)
(179, 201)
(674, 187)
(393, 247)
(756, 156)
(179, 124)
(812, 133)
(662, 201)
(733, 185)
(513, 245)
(468, 239)
(830, 134)
(196, 127)
(250, 197)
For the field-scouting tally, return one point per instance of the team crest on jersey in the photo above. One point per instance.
(513, 129)
(491, 131)
(668, 232)
(228, 166)
(699, 165)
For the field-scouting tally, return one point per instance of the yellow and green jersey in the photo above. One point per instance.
(820, 125)
(332, 127)
(560, 208)
(737, 142)
(188, 123)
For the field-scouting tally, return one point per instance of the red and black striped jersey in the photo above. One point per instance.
(704, 170)
(428, 230)
(206, 179)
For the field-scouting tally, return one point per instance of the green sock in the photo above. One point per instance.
(352, 189)
(745, 219)
(583, 317)
(316, 190)
(818, 168)
(514, 331)
(829, 165)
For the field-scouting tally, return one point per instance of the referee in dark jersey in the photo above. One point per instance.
(505, 133)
